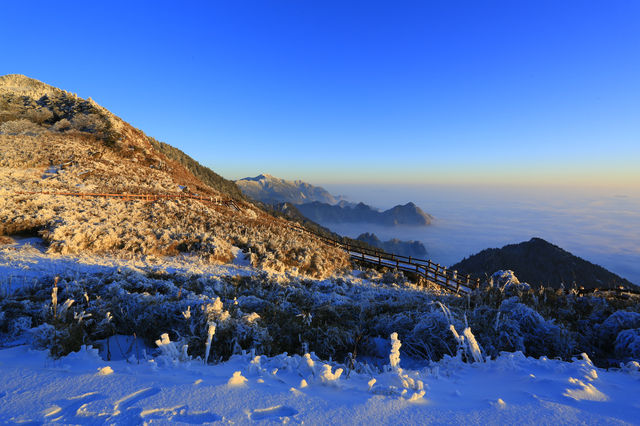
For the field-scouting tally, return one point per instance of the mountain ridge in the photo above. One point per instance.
(406, 214)
(269, 189)
(539, 262)
(319, 206)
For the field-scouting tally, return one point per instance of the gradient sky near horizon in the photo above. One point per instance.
(483, 92)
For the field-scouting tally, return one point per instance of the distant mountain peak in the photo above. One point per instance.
(271, 189)
(258, 178)
(265, 176)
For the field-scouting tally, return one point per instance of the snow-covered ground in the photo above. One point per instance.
(162, 385)
(84, 389)
(26, 260)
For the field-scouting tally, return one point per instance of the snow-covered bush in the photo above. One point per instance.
(347, 319)
(507, 281)
(21, 127)
(627, 344)
(617, 322)
(170, 353)
(43, 336)
(62, 125)
(92, 123)
(525, 330)
(430, 337)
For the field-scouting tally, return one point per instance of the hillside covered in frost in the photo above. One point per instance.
(52, 141)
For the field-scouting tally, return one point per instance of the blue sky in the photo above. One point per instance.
(483, 92)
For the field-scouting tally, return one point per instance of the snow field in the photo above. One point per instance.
(82, 388)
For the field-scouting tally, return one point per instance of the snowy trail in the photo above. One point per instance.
(512, 389)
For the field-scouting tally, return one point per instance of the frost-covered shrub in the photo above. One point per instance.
(92, 123)
(615, 323)
(62, 125)
(43, 336)
(502, 279)
(393, 277)
(528, 331)
(627, 344)
(39, 115)
(20, 325)
(347, 319)
(507, 282)
(170, 353)
(431, 338)
(21, 127)
(631, 367)
(15, 317)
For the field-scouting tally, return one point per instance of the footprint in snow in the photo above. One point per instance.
(275, 412)
(71, 409)
(180, 414)
(124, 406)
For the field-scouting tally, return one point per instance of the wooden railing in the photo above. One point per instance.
(144, 197)
(432, 272)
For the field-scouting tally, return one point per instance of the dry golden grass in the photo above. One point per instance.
(164, 228)
(4, 240)
(74, 145)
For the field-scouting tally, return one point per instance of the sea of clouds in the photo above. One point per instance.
(599, 225)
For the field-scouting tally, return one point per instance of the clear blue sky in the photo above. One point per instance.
(339, 91)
